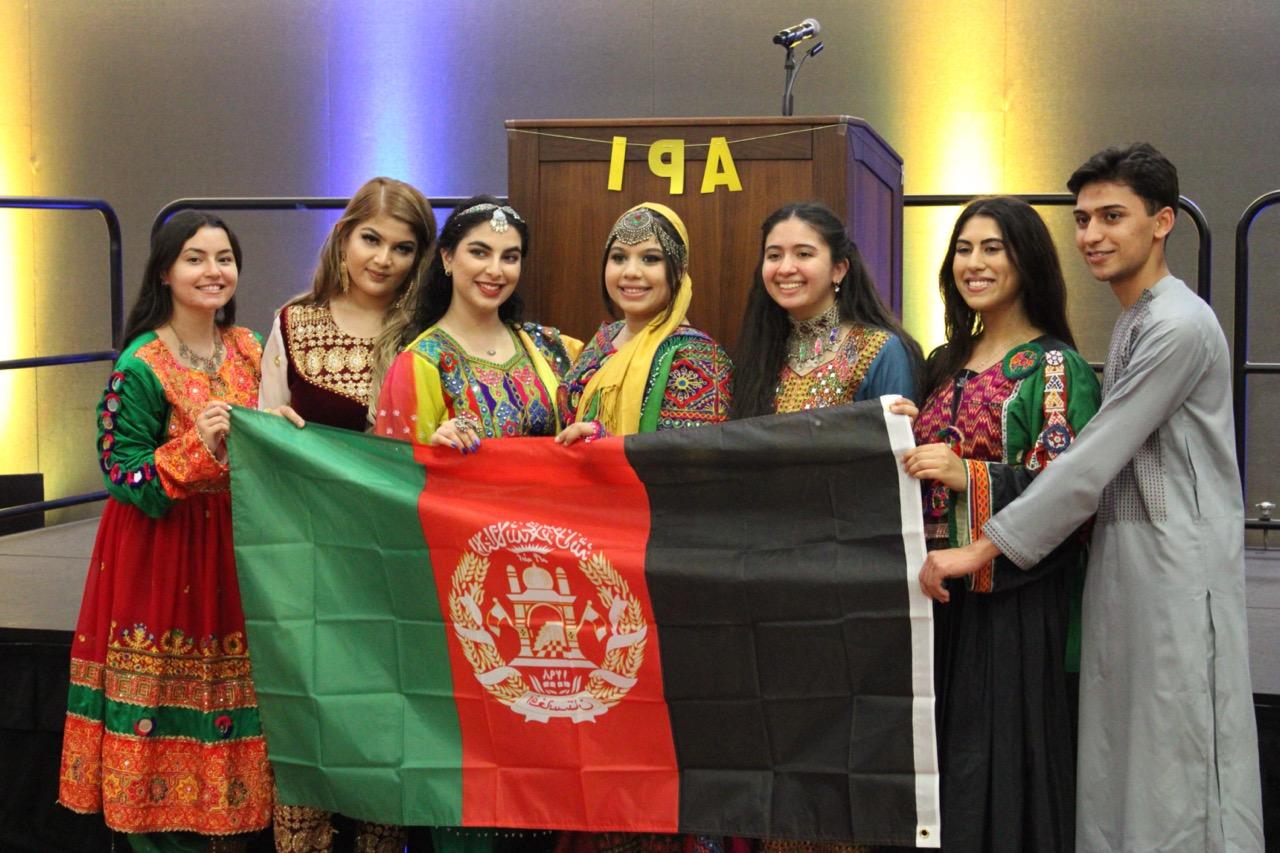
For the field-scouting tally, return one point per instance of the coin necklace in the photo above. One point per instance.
(208, 366)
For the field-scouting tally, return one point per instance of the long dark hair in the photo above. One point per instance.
(154, 305)
(675, 271)
(437, 289)
(762, 342)
(1041, 287)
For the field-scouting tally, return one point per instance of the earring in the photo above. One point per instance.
(838, 283)
(448, 273)
(344, 280)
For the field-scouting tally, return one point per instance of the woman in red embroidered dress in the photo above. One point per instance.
(162, 732)
(1006, 394)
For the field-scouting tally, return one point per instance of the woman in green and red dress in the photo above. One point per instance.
(1005, 395)
(162, 732)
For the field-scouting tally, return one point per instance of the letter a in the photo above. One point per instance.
(720, 170)
(672, 169)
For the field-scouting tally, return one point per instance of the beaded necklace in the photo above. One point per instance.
(812, 340)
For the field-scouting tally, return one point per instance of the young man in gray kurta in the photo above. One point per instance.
(1168, 753)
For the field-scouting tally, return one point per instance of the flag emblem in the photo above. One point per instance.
(554, 631)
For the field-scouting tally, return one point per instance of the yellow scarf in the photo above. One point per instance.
(620, 381)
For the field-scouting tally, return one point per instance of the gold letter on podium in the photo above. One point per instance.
(672, 169)
(720, 170)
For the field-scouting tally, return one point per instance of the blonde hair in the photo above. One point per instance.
(378, 196)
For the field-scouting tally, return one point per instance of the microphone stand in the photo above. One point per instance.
(792, 68)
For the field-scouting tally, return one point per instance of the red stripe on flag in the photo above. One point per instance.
(553, 649)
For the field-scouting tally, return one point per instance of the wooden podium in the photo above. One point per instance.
(558, 177)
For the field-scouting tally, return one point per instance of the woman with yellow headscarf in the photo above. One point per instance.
(649, 370)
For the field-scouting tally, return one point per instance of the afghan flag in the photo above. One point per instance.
(714, 630)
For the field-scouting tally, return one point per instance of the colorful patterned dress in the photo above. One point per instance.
(1006, 736)
(868, 363)
(435, 378)
(317, 368)
(162, 729)
(690, 379)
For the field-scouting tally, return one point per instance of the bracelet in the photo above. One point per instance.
(597, 431)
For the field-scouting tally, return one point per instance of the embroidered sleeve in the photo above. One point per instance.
(131, 424)
(1064, 396)
(585, 365)
(411, 403)
(698, 388)
(187, 467)
(559, 350)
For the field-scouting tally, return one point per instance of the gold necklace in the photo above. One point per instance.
(208, 366)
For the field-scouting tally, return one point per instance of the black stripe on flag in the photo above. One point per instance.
(777, 572)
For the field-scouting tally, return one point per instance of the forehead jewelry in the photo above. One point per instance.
(501, 213)
(636, 226)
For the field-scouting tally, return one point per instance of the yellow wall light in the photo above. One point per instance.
(18, 447)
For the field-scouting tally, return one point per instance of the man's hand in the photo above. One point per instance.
(953, 563)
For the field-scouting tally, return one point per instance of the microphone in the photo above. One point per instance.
(806, 29)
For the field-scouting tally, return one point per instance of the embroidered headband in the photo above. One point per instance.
(498, 222)
(636, 226)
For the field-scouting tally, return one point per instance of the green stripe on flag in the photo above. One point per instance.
(340, 604)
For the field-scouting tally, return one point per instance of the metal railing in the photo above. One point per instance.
(1241, 366)
(115, 273)
(275, 203)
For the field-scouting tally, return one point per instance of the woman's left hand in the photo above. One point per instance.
(459, 433)
(936, 462)
(213, 424)
(287, 412)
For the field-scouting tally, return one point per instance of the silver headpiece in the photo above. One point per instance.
(498, 222)
(636, 226)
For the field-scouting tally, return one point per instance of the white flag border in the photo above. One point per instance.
(928, 813)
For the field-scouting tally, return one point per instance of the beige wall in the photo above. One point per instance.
(143, 102)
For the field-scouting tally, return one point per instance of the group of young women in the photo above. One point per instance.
(423, 338)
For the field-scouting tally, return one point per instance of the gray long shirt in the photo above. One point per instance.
(1168, 754)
